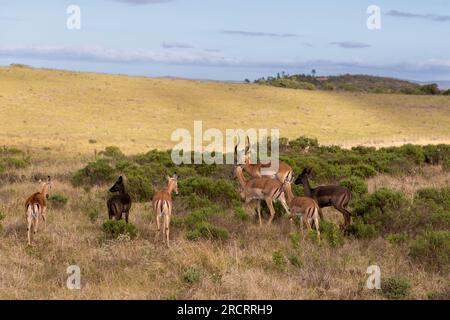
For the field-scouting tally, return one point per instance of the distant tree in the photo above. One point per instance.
(313, 72)
(247, 81)
(432, 88)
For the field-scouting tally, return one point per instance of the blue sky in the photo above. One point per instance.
(230, 39)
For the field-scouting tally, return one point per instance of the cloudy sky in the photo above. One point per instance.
(230, 39)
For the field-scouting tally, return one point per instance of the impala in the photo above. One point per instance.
(162, 206)
(327, 196)
(265, 188)
(284, 172)
(305, 207)
(120, 203)
(36, 206)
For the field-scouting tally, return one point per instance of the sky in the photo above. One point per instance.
(229, 39)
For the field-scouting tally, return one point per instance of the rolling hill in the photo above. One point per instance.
(79, 112)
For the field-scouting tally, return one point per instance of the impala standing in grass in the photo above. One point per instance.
(265, 188)
(36, 206)
(162, 206)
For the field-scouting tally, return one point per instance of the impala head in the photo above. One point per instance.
(172, 183)
(46, 186)
(303, 176)
(247, 149)
(118, 186)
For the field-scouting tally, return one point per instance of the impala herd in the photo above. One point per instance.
(263, 185)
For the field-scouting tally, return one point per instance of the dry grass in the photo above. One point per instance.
(62, 111)
(240, 268)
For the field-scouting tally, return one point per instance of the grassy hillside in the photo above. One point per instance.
(69, 112)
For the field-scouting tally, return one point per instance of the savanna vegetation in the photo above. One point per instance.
(351, 83)
(217, 248)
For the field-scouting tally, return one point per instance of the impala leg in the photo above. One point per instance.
(36, 219)
(285, 206)
(316, 223)
(167, 230)
(29, 224)
(44, 217)
(258, 209)
(347, 216)
(271, 209)
(158, 225)
(321, 214)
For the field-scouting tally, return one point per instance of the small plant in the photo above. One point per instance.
(395, 288)
(207, 230)
(58, 201)
(192, 275)
(278, 259)
(114, 228)
(295, 241)
(2, 216)
(332, 234)
(92, 141)
(294, 260)
(240, 214)
(397, 238)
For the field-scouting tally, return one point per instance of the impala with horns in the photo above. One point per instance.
(265, 188)
(259, 169)
(36, 206)
(162, 206)
(304, 207)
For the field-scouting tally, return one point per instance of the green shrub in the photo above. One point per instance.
(432, 248)
(2, 216)
(57, 201)
(278, 259)
(192, 275)
(440, 295)
(356, 185)
(397, 238)
(395, 287)
(139, 183)
(382, 209)
(216, 190)
(206, 230)
(331, 233)
(241, 214)
(295, 260)
(112, 152)
(114, 228)
(295, 241)
(98, 172)
(363, 170)
(362, 230)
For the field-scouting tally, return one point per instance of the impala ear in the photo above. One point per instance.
(309, 170)
(305, 171)
(48, 179)
(120, 179)
(175, 176)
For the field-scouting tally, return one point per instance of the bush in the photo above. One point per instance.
(216, 190)
(278, 259)
(382, 209)
(57, 201)
(360, 229)
(112, 152)
(114, 228)
(440, 295)
(331, 233)
(98, 172)
(432, 248)
(295, 241)
(192, 275)
(139, 183)
(206, 230)
(2, 216)
(395, 288)
(356, 185)
(295, 260)
(241, 214)
(397, 238)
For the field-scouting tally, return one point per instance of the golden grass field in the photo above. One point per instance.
(55, 114)
(63, 110)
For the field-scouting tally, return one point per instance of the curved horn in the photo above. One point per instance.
(248, 147)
